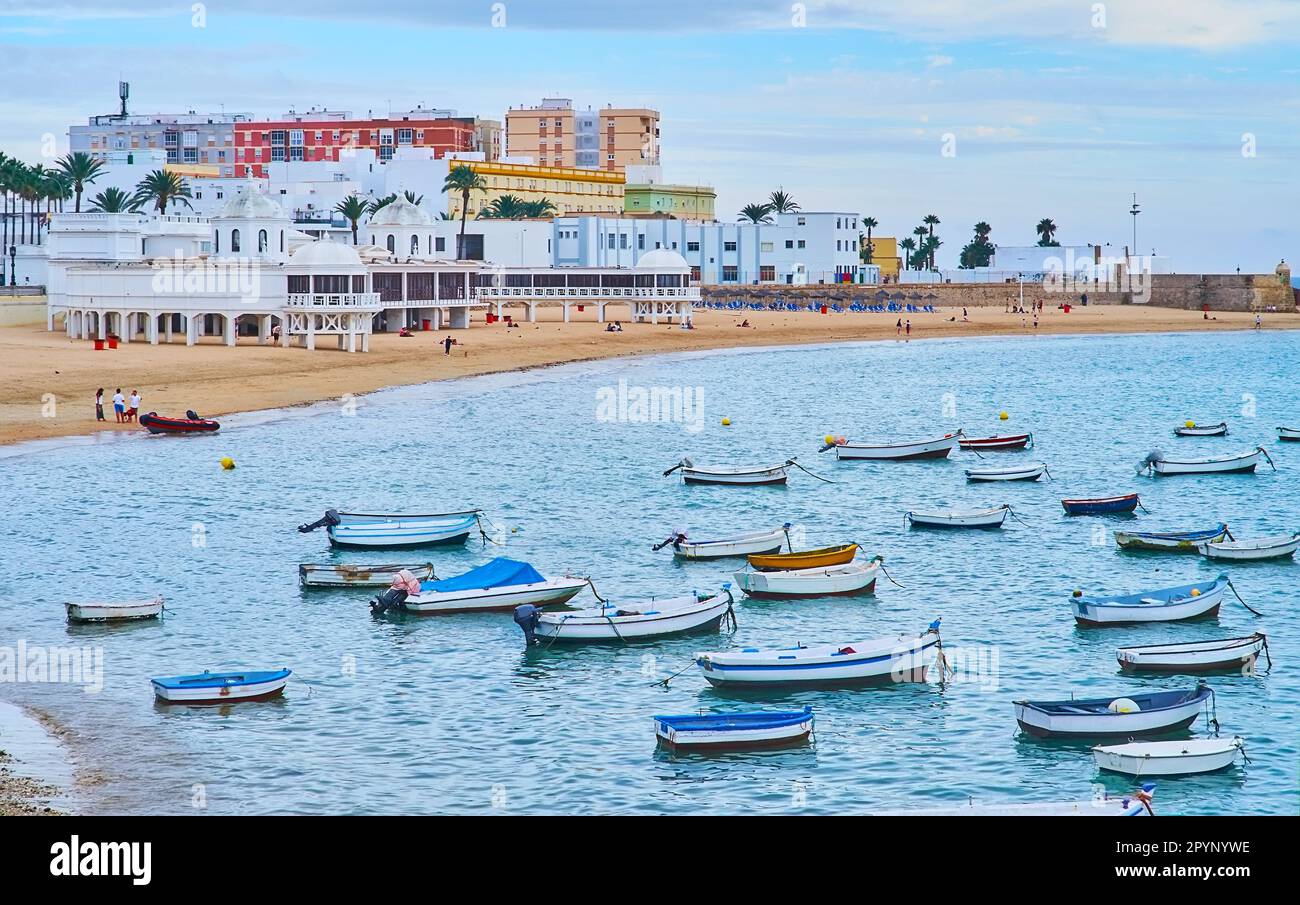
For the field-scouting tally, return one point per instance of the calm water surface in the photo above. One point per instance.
(451, 715)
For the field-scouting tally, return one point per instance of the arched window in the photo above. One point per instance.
(234, 241)
(261, 241)
(392, 245)
(415, 245)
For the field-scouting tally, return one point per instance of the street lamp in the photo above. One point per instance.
(1135, 210)
(13, 255)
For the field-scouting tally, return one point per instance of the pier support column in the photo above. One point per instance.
(229, 329)
(192, 329)
(566, 312)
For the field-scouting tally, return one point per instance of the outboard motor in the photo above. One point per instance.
(677, 538)
(1151, 458)
(192, 415)
(526, 617)
(331, 518)
(392, 599)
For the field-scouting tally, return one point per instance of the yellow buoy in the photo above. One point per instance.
(829, 440)
(227, 463)
(1189, 424)
(726, 421)
(1196, 592)
(1003, 416)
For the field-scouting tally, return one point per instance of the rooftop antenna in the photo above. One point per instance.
(123, 92)
(1135, 210)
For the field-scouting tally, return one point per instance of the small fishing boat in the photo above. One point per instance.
(1278, 547)
(501, 584)
(970, 518)
(827, 581)
(1015, 473)
(936, 448)
(1106, 505)
(639, 620)
(722, 547)
(104, 611)
(1193, 755)
(1171, 541)
(1189, 601)
(1131, 804)
(1125, 716)
(190, 424)
(883, 660)
(1288, 434)
(1192, 429)
(331, 575)
(394, 531)
(1159, 465)
(734, 731)
(1217, 655)
(821, 557)
(996, 443)
(221, 687)
(732, 474)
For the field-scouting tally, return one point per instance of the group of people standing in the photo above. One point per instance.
(125, 408)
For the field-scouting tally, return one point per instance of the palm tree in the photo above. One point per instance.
(982, 230)
(379, 203)
(353, 208)
(542, 207)
(931, 220)
(82, 169)
(921, 233)
(504, 207)
(464, 180)
(979, 251)
(1046, 230)
(907, 245)
(113, 201)
(869, 223)
(930, 245)
(161, 188)
(412, 197)
(756, 213)
(781, 203)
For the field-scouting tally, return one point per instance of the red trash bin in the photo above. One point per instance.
(112, 342)
(823, 309)
(424, 324)
(99, 345)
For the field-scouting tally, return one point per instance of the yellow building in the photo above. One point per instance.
(553, 133)
(573, 190)
(884, 254)
(685, 202)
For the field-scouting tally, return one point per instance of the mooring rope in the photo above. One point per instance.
(664, 682)
(1011, 512)
(806, 471)
(881, 565)
(1243, 603)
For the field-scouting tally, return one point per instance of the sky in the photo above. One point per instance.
(1005, 111)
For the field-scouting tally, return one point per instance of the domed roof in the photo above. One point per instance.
(323, 253)
(400, 213)
(251, 204)
(662, 259)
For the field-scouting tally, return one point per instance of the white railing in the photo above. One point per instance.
(589, 292)
(355, 300)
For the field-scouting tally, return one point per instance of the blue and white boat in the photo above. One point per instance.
(1198, 600)
(641, 619)
(1121, 716)
(1171, 541)
(395, 530)
(883, 660)
(1106, 505)
(732, 731)
(221, 687)
(501, 584)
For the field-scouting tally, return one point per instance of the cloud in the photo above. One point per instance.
(936, 60)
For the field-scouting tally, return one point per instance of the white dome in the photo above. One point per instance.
(251, 205)
(400, 213)
(663, 259)
(323, 253)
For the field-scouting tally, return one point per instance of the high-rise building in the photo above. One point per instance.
(553, 133)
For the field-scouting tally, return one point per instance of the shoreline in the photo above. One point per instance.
(35, 768)
(218, 381)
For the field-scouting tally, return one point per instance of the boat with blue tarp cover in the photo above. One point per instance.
(221, 687)
(1197, 600)
(501, 584)
(732, 731)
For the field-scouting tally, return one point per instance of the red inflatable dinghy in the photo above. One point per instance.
(157, 424)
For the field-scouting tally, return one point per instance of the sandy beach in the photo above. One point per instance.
(50, 380)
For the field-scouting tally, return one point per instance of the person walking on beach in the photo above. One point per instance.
(1257, 321)
(909, 328)
(1035, 320)
(119, 406)
(965, 315)
(99, 404)
(133, 409)
(446, 345)
(898, 327)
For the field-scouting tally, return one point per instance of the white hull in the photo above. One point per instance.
(1023, 473)
(921, 449)
(1144, 759)
(647, 619)
(1264, 548)
(901, 659)
(1288, 433)
(114, 612)
(1216, 465)
(229, 693)
(983, 518)
(507, 597)
(853, 578)
(1188, 608)
(737, 738)
(410, 533)
(1097, 725)
(1193, 656)
(1207, 430)
(775, 474)
(741, 545)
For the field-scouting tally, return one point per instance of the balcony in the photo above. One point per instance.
(342, 301)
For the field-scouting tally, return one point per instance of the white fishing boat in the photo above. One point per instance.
(882, 660)
(1214, 655)
(969, 518)
(1192, 429)
(1158, 464)
(1132, 804)
(720, 548)
(345, 575)
(1190, 601)
(1014, 473)
(114, 611)
(1278, 547)
(732, 474)
(638, 620)
(501, 584)
(1124, 716)
(396, 530)
(221, 687)
(1290, 434)
(734, 731)
(935, 448)
(1181, 758)
(825, 581)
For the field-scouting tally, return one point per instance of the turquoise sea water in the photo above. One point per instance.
(452, 715)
